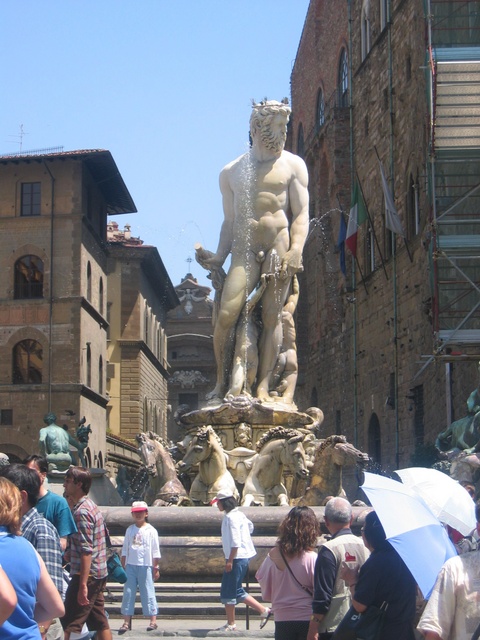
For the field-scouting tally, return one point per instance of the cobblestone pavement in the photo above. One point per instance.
(193, 628)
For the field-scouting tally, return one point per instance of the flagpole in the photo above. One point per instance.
(342, 213)
(408, 250)
(372, 226)
(394, 230)
(395, 350)
(355, 320)
(394, 237)
(361, 274)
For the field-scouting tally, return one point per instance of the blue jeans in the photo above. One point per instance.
(141, 577)
(231, 591)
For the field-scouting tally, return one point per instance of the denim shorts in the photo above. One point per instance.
(231, 591)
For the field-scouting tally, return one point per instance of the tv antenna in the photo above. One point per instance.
(19, 138)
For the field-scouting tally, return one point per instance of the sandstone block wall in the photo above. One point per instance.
(343, 324)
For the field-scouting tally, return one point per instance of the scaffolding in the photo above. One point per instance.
(453, 83)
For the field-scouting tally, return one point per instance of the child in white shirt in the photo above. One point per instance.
(140, 559)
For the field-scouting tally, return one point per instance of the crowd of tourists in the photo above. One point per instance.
(53, 569)
(53, 554)
(321, 593)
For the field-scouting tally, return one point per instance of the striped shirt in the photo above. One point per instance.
(44, 537)
(89, 539)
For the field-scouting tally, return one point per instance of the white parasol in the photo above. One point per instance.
(411, 528)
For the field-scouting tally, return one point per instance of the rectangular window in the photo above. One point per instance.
(418, 420)
(6, 417)
(189, 398)
(31, 195)
(391, 391)
(338, 422)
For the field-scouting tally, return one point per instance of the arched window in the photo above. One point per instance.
(154, 335)
(89, 281)
(145, 414)
(413, 209)
(89, 365)
(338, 422)
(383, 14)
(343, 80)
(320, 109)
(365, 29)
(374, 439)
(27, 362)
(369, 251)
(100, 296)
(28, 278)
(100, 375)
(146, 325)
(419, 415)
(389, 240)
(300, 141)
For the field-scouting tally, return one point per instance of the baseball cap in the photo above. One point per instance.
(139, 506)
(221, 495)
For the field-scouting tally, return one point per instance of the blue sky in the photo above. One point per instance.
(165, 85)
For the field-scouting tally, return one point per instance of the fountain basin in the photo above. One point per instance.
(190, 541)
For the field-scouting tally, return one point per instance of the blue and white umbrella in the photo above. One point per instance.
(411, 528)
(447, 499)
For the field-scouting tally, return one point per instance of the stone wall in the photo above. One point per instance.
(63, 320)
(347, 345)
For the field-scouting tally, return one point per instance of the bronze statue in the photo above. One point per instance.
(54, 444)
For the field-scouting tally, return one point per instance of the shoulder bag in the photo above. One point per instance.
(476, 634)
(302, 586)
(116, 573)
(361, 626)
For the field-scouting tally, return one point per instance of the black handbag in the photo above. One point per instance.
(361, 626)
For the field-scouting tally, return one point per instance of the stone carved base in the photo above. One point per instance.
(242, 420)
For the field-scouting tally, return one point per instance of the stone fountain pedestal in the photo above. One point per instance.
(240, 421)
(102, 491)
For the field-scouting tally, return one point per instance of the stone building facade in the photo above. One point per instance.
(140, 294)
(190, 350)
(370, 345)
(53, 293)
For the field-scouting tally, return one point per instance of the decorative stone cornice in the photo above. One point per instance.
(187, 379)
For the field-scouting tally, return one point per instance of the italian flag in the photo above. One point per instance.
(358, 215)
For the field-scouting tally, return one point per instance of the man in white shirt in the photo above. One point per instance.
(453, 610)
